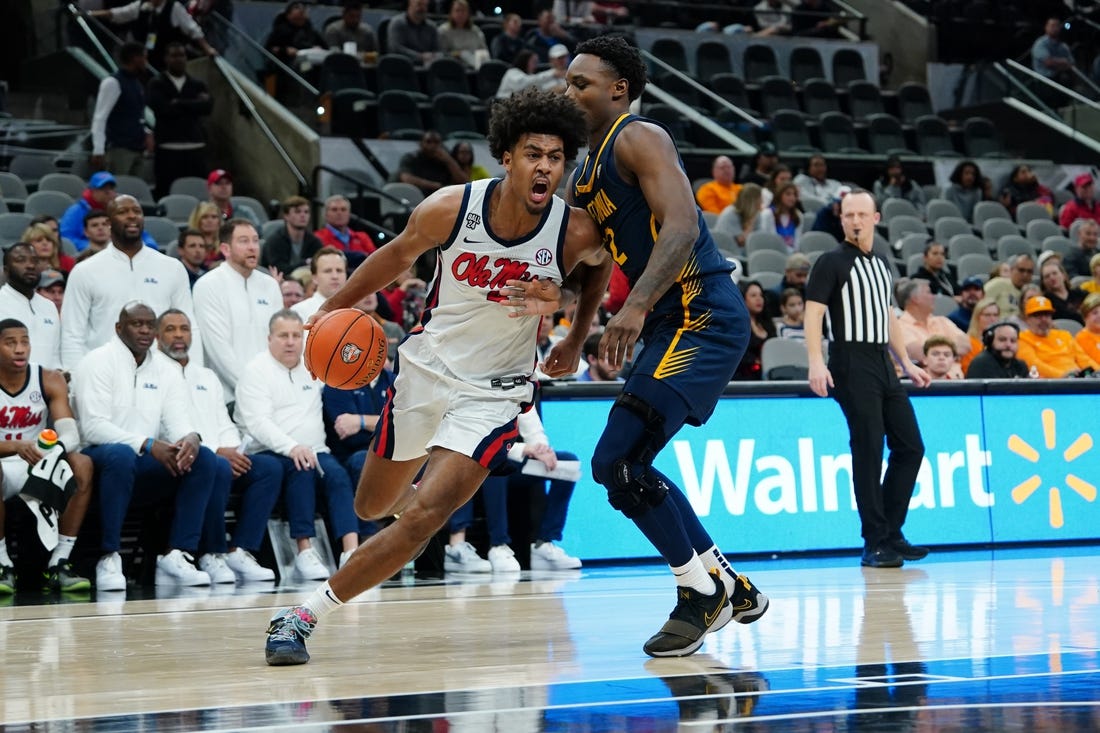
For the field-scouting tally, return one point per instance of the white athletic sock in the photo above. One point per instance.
(4, 559)
(694, 575)
(713, 559)
(63, 550)
(323, 601)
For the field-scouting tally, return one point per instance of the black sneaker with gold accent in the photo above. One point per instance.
(694, 616)
(748, 603)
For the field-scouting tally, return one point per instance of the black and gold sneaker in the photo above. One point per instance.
(748, 603)
(694, 616)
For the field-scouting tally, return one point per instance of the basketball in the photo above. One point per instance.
(346, 349)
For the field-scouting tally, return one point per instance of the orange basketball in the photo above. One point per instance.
(346, 349)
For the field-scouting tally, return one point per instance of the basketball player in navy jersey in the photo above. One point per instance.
(466, 370)
(692, 321)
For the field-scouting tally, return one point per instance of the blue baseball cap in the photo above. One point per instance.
(101, 179)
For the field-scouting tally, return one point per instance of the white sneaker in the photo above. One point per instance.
(214, 565)
(549, 556)
(344, 558)
(309, 566)
(503, 560)
(463, 558)
(176, 567)
(241, 562)
(108, 573)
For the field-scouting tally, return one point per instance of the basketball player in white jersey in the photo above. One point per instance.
(465, 371)
(31, 397)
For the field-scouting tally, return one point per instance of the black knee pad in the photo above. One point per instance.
(633, 492)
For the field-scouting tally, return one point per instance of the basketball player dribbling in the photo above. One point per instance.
(504, 246)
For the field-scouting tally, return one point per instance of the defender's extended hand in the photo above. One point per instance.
(530, 297)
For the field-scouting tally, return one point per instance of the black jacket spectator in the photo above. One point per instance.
(988, 365)
(279, 253)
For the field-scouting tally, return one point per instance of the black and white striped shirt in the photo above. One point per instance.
(855, 288)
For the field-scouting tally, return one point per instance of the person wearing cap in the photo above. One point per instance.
(759, 170)
(1083, 205)
(219, 185)
(179, 101)
(412, 34)
(120, 138)
(815, 181)
(1054, 353)
(1088, 338)
(523, 73)
(19, 299)
(101, 191)
(51, 286)
(934, 270)
(1078, 260)
(998, 360)
(721, 191)
(971, 291)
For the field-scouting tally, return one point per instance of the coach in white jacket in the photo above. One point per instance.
(135, 421)
(234, 303)
(279, 406)
(124, 271)
(19, 299)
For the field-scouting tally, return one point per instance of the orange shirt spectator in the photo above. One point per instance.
(1053, 352)
(1088, 338)
(716, 195)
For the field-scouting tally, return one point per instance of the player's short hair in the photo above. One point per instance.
(293, 202)
(95, 214)
(325, 252)
(285, 313)
(171, 312)
(622, 58)
(933, 341)
(12, 323)
(535, 111)
(225, 231)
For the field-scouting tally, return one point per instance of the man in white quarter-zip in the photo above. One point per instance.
(279, 406)
(137, 429)
(19, 298)
(124, 271)
(234, 303)
(329, 269)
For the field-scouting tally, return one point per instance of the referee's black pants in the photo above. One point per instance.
(876, 406)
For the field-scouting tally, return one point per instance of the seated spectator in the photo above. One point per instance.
(1007, 290)
(759, 169)
(524, 73)
(47, 248)
(1088, 338)
(934, 270)
(791, 324)
(430, 167)
(547, 34)
(783, 217)
(810, 19)
(219, 185)
(293, 292)
(1055, 284)
(545, 555)
(773, 17)
(460, 37)
(1078, 261)
(350, 28)
(1083, 205)
(256, 479)
(279, 406)
(1053, 352)
(743, 217)
(599, 369)
(763, 328)
(207, 220)
(291, 245)
(777, 179)
(971, 290)
(894, 184)
(291, 33)
(815, 182)
(940, 360)
(100, 192)
(1023, 185)
(97, 231)
(918, 322)
(134, 415)
(329, 271)
(828, 216)
(986, 313)
(19, 299)
(33, 399)
(509, 42)
(721, 191)
(411, 34)
(1093, 285)
(336, 232)
(1050, 56)
(463, 153)
(967, 188)
(998, 359)
(192, 253)
(51, 286)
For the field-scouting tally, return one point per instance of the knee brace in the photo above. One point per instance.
(632, 488)
(633, 492)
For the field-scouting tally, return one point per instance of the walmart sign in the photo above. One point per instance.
(774, 474)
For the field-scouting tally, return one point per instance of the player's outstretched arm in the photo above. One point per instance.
(429, 226)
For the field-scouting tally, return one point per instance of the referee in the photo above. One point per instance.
(851, 286)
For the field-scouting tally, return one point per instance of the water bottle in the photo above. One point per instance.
(47, 439)
(1033, 373)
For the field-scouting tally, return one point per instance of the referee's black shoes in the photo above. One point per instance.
(908, 551)
(881, 556)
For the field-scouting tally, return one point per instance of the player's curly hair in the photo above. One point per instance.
(623, 59)
(534, 111)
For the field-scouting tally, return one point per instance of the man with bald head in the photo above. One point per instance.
(135, 419)
(125, 270)
(714, 196)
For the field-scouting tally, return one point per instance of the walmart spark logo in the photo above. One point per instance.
(1023, 491)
